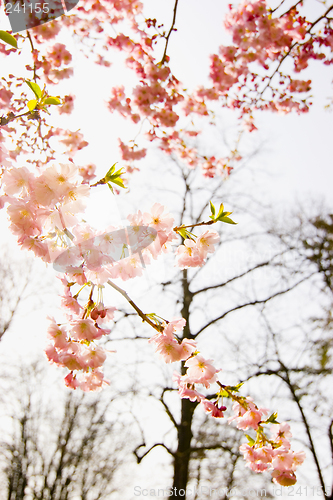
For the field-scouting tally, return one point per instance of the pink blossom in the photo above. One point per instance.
(186, 391)
(17, 179)
(74, 141)
(88, 172)
(206, 241)
(158, 218)
(281, 434)
(188, 255)
(93, 380)
(213, 408)
(67, 106)
(84, 329)
(283, 459)
(58, 334)
(93, 358)
(284, 477)
(200, 371)
(71, 381)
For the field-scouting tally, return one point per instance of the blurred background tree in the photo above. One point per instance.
(57, 444)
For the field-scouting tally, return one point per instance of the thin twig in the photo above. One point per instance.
(32, 50)
(208, 223)
(170, 31)
(142, 315)
(11, 117)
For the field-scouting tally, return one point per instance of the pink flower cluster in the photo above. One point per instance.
(73, 346)
(169, 348)
(156, 101)
(38, 204)
(247, 414)
(261, 38)
(73, 140)
(42, 210)
(199, 370)
(194, 253)
(67, 106)
(275, 455)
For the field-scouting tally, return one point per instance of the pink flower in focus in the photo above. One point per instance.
(84, 329)
(71, 381)
(157, 219)
(247, 415)
(284, 478)
(206, 241)
(185, 390)
(93, 358)
(283, 459)
(188, 255)
(213, 408)
(17, 180)
(281, 434)
(93, 381)
(200, 371)
(57, 334)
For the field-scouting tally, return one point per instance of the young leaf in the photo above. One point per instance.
(272, 419)
(111, 188)
(220, 211)
(8, 38)
(250, 440)
(223, 394)
(32, 104)
(227, 220)
(35, 88)
(184, 233)
(52, 100)
(110, 171)
(119, 182)
(235, 388)
(212, 208)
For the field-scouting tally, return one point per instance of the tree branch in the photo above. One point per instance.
(254, 303)
(139, 458)
(169, 34)
(142, 315)
(167, 409)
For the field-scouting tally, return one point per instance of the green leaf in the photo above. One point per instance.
(32, 104)
(111, 188)
(227, 220)
(110, 171)
(184, 233)
(272, 419)
(235, 388)
(119, 182)
(223, 394)
(115, 177)
(220, 211)
(212, 208)
(250, 440)
(35, 88)
(8, 38)
(52, 100)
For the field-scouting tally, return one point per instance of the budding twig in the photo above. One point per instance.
(142, 315)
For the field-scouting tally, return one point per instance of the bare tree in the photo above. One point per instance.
(304, 369)
(14, 277)
(255, 271)
(60, 446)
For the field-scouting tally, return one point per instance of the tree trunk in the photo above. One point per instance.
(184, 431)
(183, 454)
